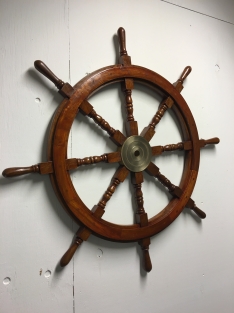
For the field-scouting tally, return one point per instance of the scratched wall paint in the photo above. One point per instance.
(192, 260)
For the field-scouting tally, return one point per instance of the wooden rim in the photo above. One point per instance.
(57, 153)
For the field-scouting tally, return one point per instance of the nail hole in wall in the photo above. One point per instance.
(37, 100)
(6, 281)
(47, 274)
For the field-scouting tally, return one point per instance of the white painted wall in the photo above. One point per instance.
(192, 260)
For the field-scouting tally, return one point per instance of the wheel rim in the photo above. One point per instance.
(60, 130)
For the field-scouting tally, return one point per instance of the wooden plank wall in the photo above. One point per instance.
(192, 260)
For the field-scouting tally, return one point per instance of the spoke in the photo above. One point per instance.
(119, 176)
(83, 232)
(116, 136)
(86, 161)
(176, 191)
(113, 157)
(142, 218)
(191, 205)
(186, 145)
(149, 131)
(157, 150)
(65, 89)
(127, 85)
(153, 170)
(41, 168)
(131, 125)
(47, 167)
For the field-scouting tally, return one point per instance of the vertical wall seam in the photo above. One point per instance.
(69, 79)
(69, 56)
(73, 289)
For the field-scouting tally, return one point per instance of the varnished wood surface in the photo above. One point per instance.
(99, 226)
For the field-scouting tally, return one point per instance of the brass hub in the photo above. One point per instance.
(136, 153)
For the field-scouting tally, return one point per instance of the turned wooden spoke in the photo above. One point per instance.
(116, 136)
(186, 145)
(141, 215)
(109, 192)
(130, 124)
(87, 109)
(159, 114)
(142, 218)
(165, 182)
(129, 105)
(157, 150)
(149, 131)
(153, 170)
(83, 232)
(172, 147)
(102, 123)
(137, 180)
(47, 167)
(176, 191)
(127, 85)
(139, 199)
(92, 160)
(120, 175)
(113, 157)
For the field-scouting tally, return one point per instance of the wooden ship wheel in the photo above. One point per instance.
(133, 153)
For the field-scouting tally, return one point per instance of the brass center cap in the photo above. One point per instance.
(136, 153)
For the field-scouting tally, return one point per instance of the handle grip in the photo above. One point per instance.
(144, 243)
(185, 73)
(122, 41)
(213, 141)
(18, 171)
(44, 70)
(70, 252)
(147, 260)
(199, 212)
